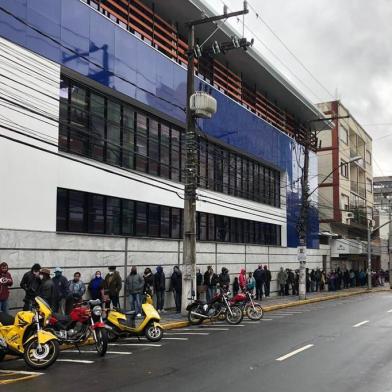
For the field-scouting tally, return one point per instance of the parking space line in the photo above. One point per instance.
(266, 319)
(360, 324)
(74, 360)
(187, 333)
(389, 311)
(295, 352)
(136, 344)
(94, 352)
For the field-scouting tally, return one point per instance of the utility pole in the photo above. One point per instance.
(194, 109)
(303, 220)
(390, 244)
(369, 253)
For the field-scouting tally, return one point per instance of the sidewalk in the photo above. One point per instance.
(172, 320)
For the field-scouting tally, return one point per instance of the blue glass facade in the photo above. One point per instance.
(115, 58)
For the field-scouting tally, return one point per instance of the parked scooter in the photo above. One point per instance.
(252, 309)
(218, 308)
(23, 336)
(84, 321)
(149, 326)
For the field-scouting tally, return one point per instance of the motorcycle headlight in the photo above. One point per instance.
(97, 310)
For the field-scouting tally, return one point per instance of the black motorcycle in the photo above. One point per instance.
(218, 308)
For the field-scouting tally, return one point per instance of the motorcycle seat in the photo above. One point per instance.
(126, 312)
(6, 319)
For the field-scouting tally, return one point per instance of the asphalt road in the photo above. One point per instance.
(341, 345)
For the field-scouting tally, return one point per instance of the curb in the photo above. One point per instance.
(183, 324)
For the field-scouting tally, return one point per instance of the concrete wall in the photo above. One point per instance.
(86, 254)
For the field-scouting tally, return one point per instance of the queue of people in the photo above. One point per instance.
(62, 294)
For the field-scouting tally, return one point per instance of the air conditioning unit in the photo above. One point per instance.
(203, 104)
(349, 215)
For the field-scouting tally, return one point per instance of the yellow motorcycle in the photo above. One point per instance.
(22, 336)
(119, 326)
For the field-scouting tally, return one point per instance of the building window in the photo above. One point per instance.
(368, 157)
(345, 202)
(344, 168)
(343, 134)
(105, 129)
(81, 212)
(369, 185)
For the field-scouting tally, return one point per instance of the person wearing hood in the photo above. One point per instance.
(210, 281)
(112, 286)
(259, 276)
(176, 287)
(282, 279)
(242, 279)
(5, 283)
(30, 284)
(46, 289)
(267, 283)
(148, 281)
(134, 288)
(61, 292)
(95, 287)
(159, 288)
(224, 279)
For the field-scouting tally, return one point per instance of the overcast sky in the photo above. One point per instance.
(346, 44)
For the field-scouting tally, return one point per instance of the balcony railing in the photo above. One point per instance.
(146, 24)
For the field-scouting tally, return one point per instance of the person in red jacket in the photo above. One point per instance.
(5, 284)
(242, 279)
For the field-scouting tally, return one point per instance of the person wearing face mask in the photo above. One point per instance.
(112, 286)
(76, 291)
(30, 283)
(46, 289)
(95, 287)
(60, 289)
(5, 284)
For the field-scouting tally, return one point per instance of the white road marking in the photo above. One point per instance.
(74, 360)
(266, 319)
(144, 339)
(21, 372)
(361, 323)
(389, 311)
(136, 344)
(280, 359)
(187, 333)
(205, 329)
(94, 352)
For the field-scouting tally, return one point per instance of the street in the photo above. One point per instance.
(341, 344)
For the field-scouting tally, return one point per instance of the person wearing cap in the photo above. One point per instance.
(46, 289)
(5, 284)
(61, 290)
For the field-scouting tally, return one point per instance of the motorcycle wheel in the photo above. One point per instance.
(41, 358)
(236, 315)
(254, 314)
(153, 333)
(101, 341)
(194, 320)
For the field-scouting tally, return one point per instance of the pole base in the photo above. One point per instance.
(301, 297)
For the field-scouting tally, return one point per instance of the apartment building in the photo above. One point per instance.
(346, 186)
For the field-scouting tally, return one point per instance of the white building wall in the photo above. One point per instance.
(88, 253)
(31, 170)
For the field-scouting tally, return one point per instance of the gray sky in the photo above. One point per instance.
(346, 44)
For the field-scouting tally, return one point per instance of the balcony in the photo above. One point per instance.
(360, 217)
